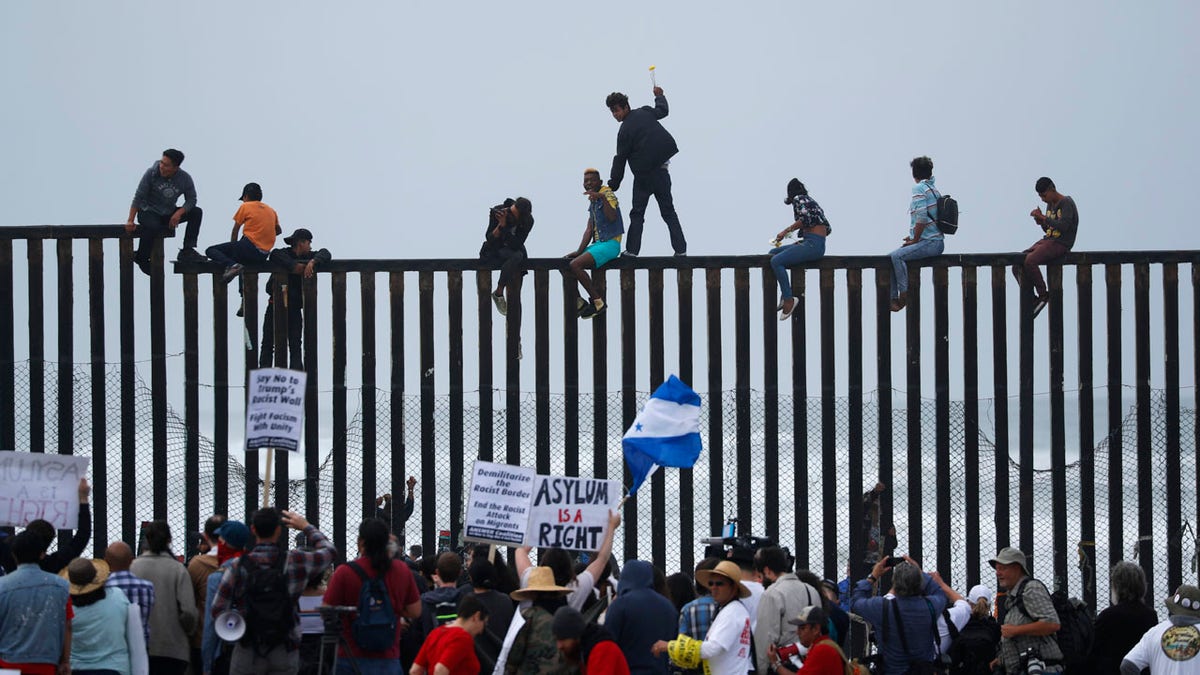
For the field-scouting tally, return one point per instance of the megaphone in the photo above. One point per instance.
(230, 626)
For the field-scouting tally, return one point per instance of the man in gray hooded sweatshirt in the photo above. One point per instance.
(639, 617)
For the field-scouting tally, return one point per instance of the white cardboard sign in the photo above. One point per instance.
(570, 512)
(498, 503)
(275, 409)
(35, 485)
(513, 505)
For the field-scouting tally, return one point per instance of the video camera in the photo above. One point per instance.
(718, 547)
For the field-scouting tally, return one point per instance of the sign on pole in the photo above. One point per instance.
(498, 503)
(275, 409)
(35, 485)
(514, 506)
(570, 512)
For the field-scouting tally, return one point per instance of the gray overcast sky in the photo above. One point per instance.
(388, 128)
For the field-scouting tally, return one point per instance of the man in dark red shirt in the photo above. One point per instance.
(450, 649)
(346, 585)
(587, 645)
(824, 656)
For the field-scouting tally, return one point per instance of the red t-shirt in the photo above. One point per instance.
(824, 658)
(606, 658)
(452, 647)
(344, 588)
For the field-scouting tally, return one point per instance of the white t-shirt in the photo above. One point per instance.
(727, 645)
(751, 603)
(960, 614)
(1168, 649)
(581, 588)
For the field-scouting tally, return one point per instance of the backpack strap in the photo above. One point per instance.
(362, 574)
(899, 623)
(950, 624)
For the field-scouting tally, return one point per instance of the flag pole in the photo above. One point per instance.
(267, 480)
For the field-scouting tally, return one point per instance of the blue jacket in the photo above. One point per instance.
(33, 615)
(639, 617)
(917, 614)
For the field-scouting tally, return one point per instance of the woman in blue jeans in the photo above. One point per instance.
(924, 240)
(813, 227)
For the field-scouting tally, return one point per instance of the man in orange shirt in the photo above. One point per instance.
(259, 224)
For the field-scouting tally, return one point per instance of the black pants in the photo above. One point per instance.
(151, 226)
(657, 183)
(510, 260)
(295, 324)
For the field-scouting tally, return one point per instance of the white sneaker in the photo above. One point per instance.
(501, 304)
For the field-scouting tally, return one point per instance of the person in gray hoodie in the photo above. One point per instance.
(639, 617)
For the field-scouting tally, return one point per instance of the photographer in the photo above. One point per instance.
(1030, 621)
(504, 244)
(905, 624)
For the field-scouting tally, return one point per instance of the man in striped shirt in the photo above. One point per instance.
(140, 592)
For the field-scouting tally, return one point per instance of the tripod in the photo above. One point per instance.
(332, 637)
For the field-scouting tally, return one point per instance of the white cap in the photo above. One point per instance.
(977, 592)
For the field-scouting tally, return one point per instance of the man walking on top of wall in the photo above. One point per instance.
(647, 147)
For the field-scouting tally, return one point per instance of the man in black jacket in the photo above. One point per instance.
(647, 147)
(503, 246)
(300, 260)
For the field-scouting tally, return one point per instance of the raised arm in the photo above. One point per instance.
(597, 566)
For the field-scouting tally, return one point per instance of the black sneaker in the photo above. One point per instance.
(231, 272)
(143, 265)
(592, 309)
(628, 254)
(241, 311)
(580, 305)
(681, 254)
(189, 255)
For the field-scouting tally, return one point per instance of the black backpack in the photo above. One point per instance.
(374, 627)
(947, 213)
(1076, 630)
(973, 649)
(270, 611)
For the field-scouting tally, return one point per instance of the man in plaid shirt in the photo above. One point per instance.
(300, 566)
(119, 557)
(696, 617)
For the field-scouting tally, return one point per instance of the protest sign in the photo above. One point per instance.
(35, 485)
(498, 503)
(570, 513)
(275, 409)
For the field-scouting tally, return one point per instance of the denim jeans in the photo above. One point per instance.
(925, 248)
(242, 251)
(812, 247)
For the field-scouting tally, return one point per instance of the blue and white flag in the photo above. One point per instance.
(665, 433)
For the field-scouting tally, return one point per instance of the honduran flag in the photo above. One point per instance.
(665, 433)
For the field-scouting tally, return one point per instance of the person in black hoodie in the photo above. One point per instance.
(647, 147)
(508, 227)
(639, 617)
(300, 260)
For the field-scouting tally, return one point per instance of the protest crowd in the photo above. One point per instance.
(274, 596)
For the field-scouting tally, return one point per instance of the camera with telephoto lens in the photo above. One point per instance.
(786, 652)
(1031, 662)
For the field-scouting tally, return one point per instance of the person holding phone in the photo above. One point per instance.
(910, 634)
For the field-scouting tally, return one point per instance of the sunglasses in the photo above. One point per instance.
(717, 583)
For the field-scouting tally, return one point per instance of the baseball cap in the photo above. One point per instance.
(300, 234)
(808, 616)
(235, 533)
(252, 191)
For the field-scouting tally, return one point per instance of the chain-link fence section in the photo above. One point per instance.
(820, 506)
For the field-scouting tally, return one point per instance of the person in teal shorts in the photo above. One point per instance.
(601, 241)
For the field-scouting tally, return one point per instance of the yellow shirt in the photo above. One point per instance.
(258, 222)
